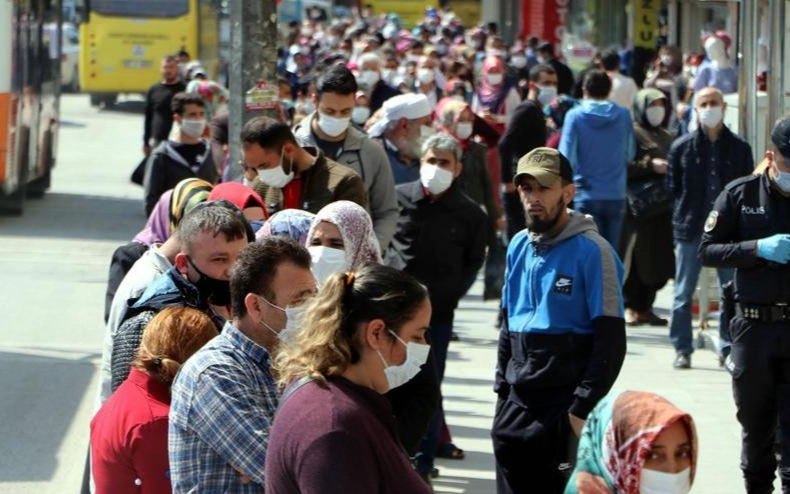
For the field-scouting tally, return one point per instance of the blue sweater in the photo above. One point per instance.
(598, 139)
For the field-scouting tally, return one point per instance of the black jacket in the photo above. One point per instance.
(159, 110)
(169, 290)
(165, 168)
(747, 210)
(693, 182)
(441, 243)
(525, 132)
(122, 261)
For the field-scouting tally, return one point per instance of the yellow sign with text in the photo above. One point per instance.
(646, 23)
(411, 12)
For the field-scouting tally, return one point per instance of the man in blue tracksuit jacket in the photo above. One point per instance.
(563, 339)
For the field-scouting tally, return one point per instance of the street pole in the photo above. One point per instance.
(253, 59)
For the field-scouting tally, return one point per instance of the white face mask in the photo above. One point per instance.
(293, 320)
(655, 482)
(360, 115)
(519, 61)
(463, 130)
(425, 75)
(369, 78)
(435, 179)
(711, 117)
(276, 177)
(426, 131)
(326, 262)
(416, 356)
(388, 75)
(193, 128)
(494, 79)
(782, 179)
(308, 106)
(331, 126)
(655, 115)
(546, 94)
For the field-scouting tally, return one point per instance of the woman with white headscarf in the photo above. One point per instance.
(341, 238)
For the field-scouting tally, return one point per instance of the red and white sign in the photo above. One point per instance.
(544, 19)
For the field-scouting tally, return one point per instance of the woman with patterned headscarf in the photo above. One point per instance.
(341, 238)
(291, 223)
(635, 443)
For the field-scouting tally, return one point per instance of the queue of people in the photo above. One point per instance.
(331, 276)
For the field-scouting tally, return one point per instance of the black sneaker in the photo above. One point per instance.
(682, 361)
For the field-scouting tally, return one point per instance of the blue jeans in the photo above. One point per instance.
(608, 216)
(687, 270)
(440, 342)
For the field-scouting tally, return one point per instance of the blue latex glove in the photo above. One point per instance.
(775, 248)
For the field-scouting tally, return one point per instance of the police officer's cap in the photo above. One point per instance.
(780, 136)
(546, 165)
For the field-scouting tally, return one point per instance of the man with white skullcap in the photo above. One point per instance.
(404, 125)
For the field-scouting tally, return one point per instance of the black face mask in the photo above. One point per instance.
(212, 290)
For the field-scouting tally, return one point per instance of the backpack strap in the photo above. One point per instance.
(290, 390)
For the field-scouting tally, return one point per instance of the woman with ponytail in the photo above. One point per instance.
(129, 433)
(363, 335)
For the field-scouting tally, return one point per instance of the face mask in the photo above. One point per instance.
(416, 356)
(463, 130)
(193, 128)
(495, 52)
(711, 117)
(459, 97)
(546, 95)
(782, 179)
(519, 61)
(308, 106)
(305, 50)
(326, 262)
(369, 78)
(426, 76)
(655, 482)
(306, 31)
(388, 75)
(331, 41)
(655, 115)
(541, 59)
(276, 177)
(293, 320)
(435, 179)
(332, 126)
(212, 290)
(360, 115)
(426, 131)
(494, 79)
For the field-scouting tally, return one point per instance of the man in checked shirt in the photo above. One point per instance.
(224, 397)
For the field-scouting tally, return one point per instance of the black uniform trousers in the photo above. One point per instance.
(761, 386)
(534, 448)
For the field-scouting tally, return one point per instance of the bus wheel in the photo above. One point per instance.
(95, 99)
(39, 185)
(108, 100)
(13, 204)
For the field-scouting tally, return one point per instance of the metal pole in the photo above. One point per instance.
(747, 90)
(776, 73)
(253, 25)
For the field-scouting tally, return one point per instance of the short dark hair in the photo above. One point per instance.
(337, 80)
(610, 60)
(597, 84)
(181, 100)
(170, 59)
(267, 132)
(257, 265)
(215, 217)
(543, 68)
(546, 48)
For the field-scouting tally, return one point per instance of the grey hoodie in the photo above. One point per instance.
(578, 224)
(369, 160)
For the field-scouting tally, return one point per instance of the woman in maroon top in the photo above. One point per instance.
(129, 433)
(334, 432)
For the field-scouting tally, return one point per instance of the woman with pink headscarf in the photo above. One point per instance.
(341, 238)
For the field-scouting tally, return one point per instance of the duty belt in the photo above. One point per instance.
(765, 313)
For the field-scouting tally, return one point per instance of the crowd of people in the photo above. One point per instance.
(291, 332)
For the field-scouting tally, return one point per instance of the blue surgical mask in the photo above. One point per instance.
(782, 179)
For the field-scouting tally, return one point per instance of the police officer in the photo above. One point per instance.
(563, 339)
(749, 230)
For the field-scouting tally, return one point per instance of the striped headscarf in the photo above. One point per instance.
(186, 195)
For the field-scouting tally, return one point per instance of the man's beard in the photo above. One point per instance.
(536, 225)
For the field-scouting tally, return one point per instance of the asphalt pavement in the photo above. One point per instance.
(53, 272)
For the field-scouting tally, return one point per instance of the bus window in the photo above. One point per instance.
(141, 8)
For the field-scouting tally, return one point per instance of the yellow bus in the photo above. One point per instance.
(123, 41)
(29, 98)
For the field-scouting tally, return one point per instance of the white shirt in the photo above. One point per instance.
(623, 90)
(148, 268)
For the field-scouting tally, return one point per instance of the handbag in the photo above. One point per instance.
(138, 175)
(648, 199)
